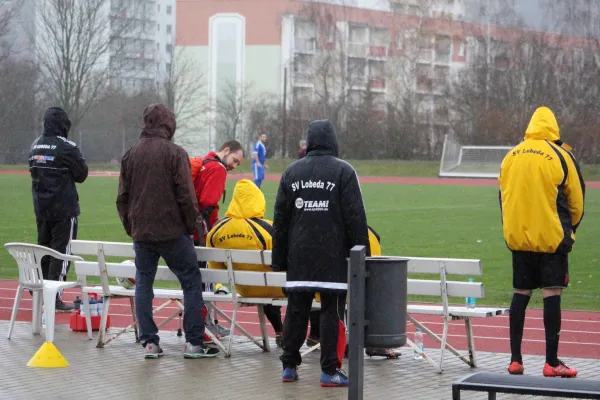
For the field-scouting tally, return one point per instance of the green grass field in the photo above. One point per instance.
(412, 220)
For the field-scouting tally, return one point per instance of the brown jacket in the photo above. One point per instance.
(156, 199)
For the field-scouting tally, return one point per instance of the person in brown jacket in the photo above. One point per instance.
(158, 208)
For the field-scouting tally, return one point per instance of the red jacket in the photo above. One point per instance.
(209, 184)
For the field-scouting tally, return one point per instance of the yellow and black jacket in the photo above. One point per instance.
(541, 190)
(244, 228)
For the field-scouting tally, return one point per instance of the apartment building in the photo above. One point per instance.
(142, 34)
(383, 49)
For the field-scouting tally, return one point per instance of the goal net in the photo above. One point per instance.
(471, 161)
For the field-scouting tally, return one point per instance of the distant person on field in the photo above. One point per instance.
(158, 208)
(245, 228)
(259, 159)
(56, 164)
(302, 149)
(319, 216)
(209, 174)
(541, 197)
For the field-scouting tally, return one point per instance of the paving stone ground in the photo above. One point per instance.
(119, 371)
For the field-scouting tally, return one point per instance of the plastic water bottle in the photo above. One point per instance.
(100, 305)
(93, 307)
(471, 302)
(43, 320)
(419, 344)
(77, 303)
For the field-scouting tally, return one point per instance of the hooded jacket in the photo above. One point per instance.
(209, 175)
(319, 216)
(56, 164)
(244, 228)
(541, 190)
(156, 199)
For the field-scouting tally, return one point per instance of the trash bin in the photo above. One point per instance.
(385, 301)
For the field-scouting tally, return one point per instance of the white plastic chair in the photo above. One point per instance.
(29, 261)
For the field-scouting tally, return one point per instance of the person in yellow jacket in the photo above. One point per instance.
(313, 335)
(541, 198)
(245, 228)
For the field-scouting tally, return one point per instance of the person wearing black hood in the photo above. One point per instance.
(56, 164)
(319, 216)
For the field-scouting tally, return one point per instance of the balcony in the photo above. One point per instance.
(360, 50)
(378, 51)
(377, 84)
(305, 45)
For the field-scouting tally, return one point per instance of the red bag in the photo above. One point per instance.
(341, 343)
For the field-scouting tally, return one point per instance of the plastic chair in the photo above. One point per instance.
(29, 261)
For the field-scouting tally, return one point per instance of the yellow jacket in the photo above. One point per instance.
(541, 190)
(244, 228)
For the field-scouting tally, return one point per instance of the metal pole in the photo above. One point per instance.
(284, 133)
(356, 321)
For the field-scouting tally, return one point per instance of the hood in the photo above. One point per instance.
(159, 120)
(247, 201)
(56, 122)
(543, 126)
(322, 138)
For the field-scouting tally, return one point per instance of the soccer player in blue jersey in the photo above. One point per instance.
(259, 158)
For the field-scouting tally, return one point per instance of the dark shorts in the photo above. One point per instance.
(540, 270)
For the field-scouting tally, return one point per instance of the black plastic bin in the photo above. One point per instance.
(385, 301)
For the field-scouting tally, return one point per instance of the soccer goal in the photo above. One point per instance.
(471, 161)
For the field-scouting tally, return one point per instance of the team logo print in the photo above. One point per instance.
(299, 203)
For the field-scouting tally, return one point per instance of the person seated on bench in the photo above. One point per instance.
(314, 336)
(245, 228)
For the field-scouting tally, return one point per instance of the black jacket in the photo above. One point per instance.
(55, 164)
(319, 216)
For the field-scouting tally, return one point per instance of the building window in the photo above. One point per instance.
(461, 49)
(330, 33)
(400, 40)
(169, 9)
(158, 27)
(169, 29)
(169, 48)
(158, 7)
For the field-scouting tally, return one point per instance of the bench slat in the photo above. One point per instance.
(111, 249)
(456, 311)
(454, 266)
(425, 287)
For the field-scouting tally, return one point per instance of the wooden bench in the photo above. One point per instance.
(440, 288)
(111, 270)
(526, 385)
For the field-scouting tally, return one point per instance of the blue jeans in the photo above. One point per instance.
(180, 256)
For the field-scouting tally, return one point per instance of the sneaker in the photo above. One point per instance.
(289, 375)
(312, 341)
(62, 307)
(516, 368)
(153, 351)
(199, 351)
(561, 370)
(338, 379)
(278, 339)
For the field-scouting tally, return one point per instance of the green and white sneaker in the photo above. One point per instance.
(153, 351)
(199, 351)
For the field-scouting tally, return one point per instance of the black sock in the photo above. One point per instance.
(552, 321)
(517, 323)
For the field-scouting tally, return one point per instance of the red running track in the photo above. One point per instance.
(580, 335)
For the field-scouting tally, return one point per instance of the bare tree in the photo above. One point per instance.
(9, 11)
(184, 90)
(229, 111)
(73, 45)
